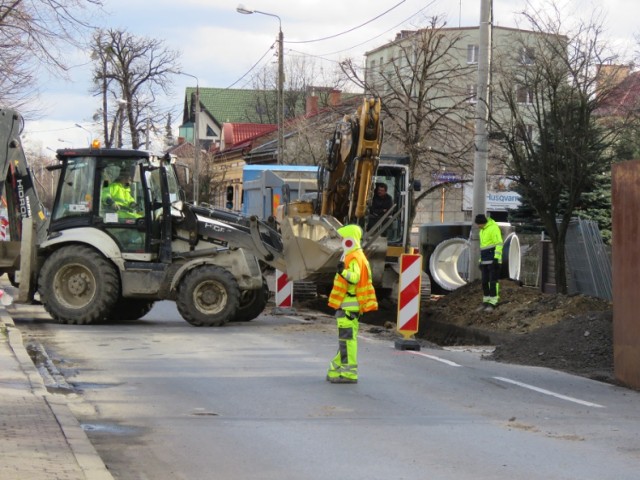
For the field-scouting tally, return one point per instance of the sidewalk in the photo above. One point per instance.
(40, 439)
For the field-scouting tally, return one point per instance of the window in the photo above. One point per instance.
(527, 56)
(472, 54)
(230, 193)
(524, 95)
(524, 132)
(122, 200)
(76, 195)
(121, 192)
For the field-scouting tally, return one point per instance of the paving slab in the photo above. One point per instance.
(40, 439)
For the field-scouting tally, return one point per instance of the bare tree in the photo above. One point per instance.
(130, 72)
(32, 32)
(425, 101)
(302, 75)
(548, 112)
(309, 144)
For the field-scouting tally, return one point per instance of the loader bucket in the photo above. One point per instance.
(313, 247)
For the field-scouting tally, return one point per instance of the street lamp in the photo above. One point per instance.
(196, 141)
(280, 113)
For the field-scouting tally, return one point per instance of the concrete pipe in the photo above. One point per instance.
(511, 257)
(449, 262)
(431, 235)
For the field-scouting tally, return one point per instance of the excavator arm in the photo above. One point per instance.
(353, 157)
(17, 188)
(311, 244)
(18, 194)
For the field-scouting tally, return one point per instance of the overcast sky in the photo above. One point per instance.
(219, 45)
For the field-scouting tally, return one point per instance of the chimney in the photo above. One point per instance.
(335, 98)
(180, 140)
(312, 104)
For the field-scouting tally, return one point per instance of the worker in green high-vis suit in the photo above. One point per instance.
(490, 261)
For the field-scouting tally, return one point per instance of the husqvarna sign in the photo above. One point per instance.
(499, 198)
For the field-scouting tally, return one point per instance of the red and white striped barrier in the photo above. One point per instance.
(409, 301)
(4, 234)
(284, 294)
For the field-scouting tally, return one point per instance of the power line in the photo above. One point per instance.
(322, 56)
(254, 66)
(309, 55)
(377, 36)
(351, 29)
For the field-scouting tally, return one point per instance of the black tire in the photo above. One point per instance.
(77, 285)
(208, 296)
(252, 303)
(130, 309)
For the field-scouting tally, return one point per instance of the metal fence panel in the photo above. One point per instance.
(588, 260)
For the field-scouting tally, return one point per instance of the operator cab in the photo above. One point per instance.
(395, 178)
(119, 192)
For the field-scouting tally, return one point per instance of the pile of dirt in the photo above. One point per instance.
(572, 333)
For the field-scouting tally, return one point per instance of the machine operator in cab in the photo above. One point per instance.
(117, 195)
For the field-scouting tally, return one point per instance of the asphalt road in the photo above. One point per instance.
(161, 399)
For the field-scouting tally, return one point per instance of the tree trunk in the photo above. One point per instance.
(560, 264)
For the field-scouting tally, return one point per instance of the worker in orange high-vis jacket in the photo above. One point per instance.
(351, 296)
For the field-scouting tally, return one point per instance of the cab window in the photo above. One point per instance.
(76, 192)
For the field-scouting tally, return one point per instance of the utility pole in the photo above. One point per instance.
(196, 141)
(280, 96)
(280, 100)
(481, 155)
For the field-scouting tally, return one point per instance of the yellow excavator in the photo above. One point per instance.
(346, 181)
(351, 164)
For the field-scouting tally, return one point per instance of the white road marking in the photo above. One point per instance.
(502, 379)
(432, 357)
(548, 392)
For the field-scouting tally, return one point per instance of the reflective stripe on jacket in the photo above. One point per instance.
(352, 289)
(490, 242)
